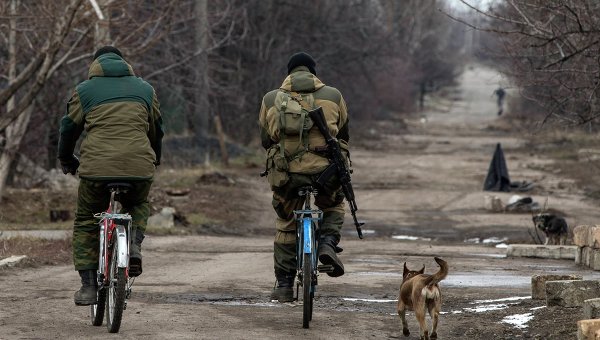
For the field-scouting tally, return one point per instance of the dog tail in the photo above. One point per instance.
(440, 275)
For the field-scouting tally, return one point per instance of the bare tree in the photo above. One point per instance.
(211, 61)
(552, 50)
(62, 35)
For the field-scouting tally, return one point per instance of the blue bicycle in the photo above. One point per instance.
(307, 236)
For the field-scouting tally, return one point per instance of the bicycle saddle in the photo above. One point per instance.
(303, 191)
(119, 185)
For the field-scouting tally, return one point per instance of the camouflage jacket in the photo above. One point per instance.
(334, 109)
(121, 118)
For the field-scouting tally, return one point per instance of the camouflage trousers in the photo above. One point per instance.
(93, 197)
(329, 199)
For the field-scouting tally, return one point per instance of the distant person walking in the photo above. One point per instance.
(500, 94)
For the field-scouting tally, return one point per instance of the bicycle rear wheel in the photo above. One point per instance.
(115, 301)
(97, 310)
(307, 293)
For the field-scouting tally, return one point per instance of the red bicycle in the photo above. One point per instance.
(114, 283)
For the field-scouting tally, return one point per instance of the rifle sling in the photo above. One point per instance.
(326, 175)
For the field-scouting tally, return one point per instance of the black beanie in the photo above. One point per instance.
(302, 59)
(107, 49)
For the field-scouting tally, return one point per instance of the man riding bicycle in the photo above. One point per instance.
(297, 159)
(121, 117)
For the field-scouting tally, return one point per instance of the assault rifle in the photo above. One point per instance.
(337, 167)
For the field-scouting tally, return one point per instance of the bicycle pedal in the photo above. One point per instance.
(325, 268)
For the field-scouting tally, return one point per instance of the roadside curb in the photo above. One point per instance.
(542, 251)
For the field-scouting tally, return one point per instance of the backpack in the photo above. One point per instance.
(293, 109)
(292, 121)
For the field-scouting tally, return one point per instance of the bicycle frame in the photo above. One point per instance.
(112, 225)
(114, 283)
(307, 233)
(307, 236)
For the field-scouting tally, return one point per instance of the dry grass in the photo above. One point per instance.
(563, 147)
(39, 252)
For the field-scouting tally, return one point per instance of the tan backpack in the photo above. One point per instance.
(290, 121)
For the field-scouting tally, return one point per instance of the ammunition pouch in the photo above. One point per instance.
(277, 167)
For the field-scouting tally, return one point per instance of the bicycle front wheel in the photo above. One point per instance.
(307, 289)
(116, 292)
(97, 310)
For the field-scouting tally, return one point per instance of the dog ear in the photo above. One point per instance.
(405, 270)
(422, 270)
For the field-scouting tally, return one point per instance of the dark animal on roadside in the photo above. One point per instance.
(554, 227)
(421, 293)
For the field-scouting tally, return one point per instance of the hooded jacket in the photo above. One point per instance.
(120, 115)
(301, 80)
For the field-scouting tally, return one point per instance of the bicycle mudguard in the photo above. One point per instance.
(123, 246)
(307, 232)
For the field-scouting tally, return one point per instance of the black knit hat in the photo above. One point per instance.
(107, 49)
(302, 59)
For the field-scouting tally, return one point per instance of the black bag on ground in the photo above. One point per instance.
(497, 178)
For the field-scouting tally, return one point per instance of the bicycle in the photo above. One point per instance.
(307, 236)
(114, 283)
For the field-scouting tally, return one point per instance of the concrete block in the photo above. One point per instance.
(164, 219)
(581, 235)
(589, 257)
(594, 262)
(579, 256)
(586, 252)
(587, 236)
(591, 309)
(493, 203)
(542, 251)
(594, 237)
(538, 284)
(571, 293)
(588, 329)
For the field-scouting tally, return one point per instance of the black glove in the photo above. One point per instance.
(70, 167)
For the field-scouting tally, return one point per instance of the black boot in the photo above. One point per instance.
(87, 294)
(327, 251)
(135, 254)
(284, 288)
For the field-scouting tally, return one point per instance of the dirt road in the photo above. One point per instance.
(420, 193)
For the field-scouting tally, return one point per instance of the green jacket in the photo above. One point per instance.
(121, 117)
(334, 108)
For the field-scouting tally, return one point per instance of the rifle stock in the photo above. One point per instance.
(338, 164)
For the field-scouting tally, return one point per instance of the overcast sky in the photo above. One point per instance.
(482, 4)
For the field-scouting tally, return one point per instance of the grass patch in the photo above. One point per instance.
(564, 148)
(200, 219)
(180, 178)
(39, 252)
(66, 225)
(160, 231)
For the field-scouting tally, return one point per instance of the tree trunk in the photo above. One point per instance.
(201, 110)
(15, 131)
(222, 145)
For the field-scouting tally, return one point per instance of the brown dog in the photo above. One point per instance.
(420, 292)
